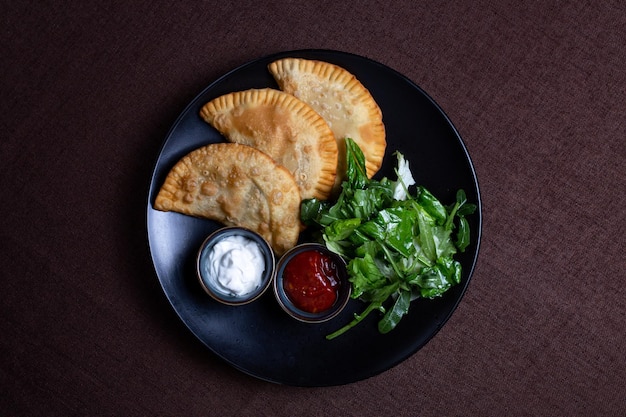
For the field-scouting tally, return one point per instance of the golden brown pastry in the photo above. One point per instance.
(341, 99)
(285, 128)
(238, 186)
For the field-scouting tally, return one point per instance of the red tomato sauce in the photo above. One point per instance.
(311, 281)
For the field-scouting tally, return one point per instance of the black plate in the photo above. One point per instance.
(260, 339)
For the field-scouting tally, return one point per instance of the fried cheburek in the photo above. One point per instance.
(285, 128)
(236, 185)
(341, 99)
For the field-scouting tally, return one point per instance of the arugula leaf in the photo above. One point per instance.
(395, 314)
(463, 235)
(432, 206)
(355, 172)
(341, 229)
(365, 275)
(375, 304)
(426, 235)
(311, 210)
(461, 209)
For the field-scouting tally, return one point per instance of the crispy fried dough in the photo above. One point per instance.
(236, 185)
(285, 128)
(341, 99)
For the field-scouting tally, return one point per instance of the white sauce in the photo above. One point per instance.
(235, 265)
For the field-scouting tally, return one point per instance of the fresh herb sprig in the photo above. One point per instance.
(399, 245)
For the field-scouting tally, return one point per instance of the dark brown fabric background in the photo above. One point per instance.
(89, 90)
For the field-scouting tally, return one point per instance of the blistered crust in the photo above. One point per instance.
(341, 99)
(235, 185)
(285, 128)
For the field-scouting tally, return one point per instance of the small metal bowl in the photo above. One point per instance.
(342, 292)
(214, 287)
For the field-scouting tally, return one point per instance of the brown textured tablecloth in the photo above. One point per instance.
(88, 92)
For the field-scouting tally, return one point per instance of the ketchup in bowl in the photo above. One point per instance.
(311, 283)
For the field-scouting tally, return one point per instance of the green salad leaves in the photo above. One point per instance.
(399, 246)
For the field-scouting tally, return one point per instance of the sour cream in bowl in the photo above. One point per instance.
(235, 266)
